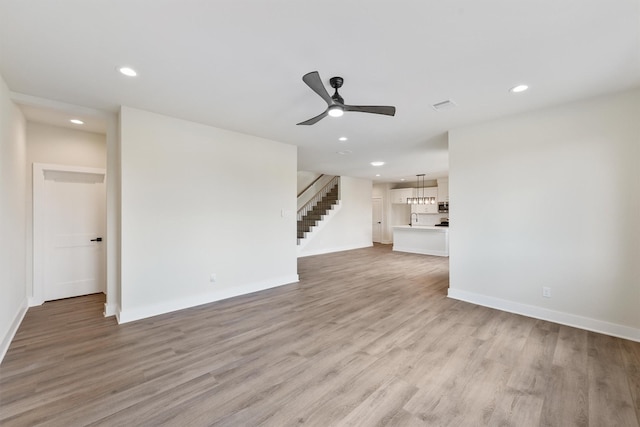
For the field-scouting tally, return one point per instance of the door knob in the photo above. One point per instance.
(97, 239)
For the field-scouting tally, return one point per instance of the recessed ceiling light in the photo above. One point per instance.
(518, 89)
(342, 138)
(127, 71)
(76, 122)
(343, 152)
(377, 163)
(402, 179)
(377, 174)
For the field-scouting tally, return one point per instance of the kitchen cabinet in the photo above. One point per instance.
(428, 208)
(443, 190)
(400, 195)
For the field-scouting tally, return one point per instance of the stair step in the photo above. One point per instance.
(318, 213)
(314, 217)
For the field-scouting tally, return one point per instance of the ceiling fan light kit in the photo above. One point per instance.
(335, 104)
(335, 111)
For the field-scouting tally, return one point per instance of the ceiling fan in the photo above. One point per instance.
(335, 104)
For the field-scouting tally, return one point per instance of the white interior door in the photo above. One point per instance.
(377, 220)
(73, 224)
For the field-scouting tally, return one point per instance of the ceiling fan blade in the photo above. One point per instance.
(386, 110)
(315, 119)
(314, 81)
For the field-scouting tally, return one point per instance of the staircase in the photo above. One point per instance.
(316, 209)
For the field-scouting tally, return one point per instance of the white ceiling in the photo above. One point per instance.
(238, 65)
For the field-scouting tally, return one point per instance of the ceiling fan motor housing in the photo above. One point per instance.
(336, 82)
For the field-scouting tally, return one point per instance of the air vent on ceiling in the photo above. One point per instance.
(444, 105)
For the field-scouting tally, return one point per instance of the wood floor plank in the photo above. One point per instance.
(631, 360)
(569, 378)
(566, 401)
(381, 405)
(532, 371)
(510, 339)
(349, 395)
(471, 399)
(516, 408)
(443, 377)
(219, 397)
(309, 388)
(609, 403)
(367, 337)
(403, 418)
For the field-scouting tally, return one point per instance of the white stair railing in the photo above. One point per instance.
(317, 198)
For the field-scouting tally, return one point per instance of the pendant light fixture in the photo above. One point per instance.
(420, 198)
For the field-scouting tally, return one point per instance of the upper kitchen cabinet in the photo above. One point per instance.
(401, 195)
(443, 189)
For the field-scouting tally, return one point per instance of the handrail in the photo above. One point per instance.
(309, 186)
(307, 195)
(317, 198)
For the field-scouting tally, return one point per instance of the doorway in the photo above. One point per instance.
(68, 231)
(376, 234)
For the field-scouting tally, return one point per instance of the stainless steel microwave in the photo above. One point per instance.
(443, 207)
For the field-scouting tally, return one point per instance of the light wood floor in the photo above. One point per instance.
(366, 338)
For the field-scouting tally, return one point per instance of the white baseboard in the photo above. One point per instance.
(137, 313)
(35, 302)
(17, 320)
(586, 323)
(110, 309)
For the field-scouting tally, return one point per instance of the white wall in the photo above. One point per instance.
(551, 198)
(350, 227)
(304, 179)
(57, 145)
(198, 200)
(380, 190)
(53, 144)
(13, 294)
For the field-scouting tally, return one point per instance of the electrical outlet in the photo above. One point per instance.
(546, 292)
(213, 277)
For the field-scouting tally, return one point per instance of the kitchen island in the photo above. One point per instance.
(427, 240)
